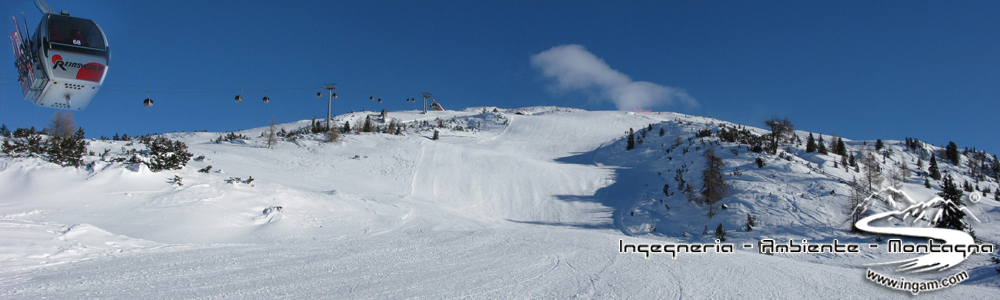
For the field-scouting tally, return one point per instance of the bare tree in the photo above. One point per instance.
(714, 186)
(896, 177)
(974, 163)
(855, 203)
(904, 170)
(781, 129)
(272, 134)
(332, 135)
(833, 143)
(62, 125)
(872, 171)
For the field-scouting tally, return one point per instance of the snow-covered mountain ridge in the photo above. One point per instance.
(548, 190)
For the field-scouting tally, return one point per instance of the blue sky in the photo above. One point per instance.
(864, 70)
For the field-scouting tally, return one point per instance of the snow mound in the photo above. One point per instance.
(271, 214)
(28, 243)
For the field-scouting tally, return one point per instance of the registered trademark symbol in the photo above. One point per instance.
(974, 197)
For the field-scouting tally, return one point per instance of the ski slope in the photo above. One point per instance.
(527, 203)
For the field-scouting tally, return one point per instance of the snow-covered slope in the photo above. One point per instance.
(516, 203)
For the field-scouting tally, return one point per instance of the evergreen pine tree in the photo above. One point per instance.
(841, 148)
(368, 125)
(927, 183)
(822, 145)
(347, 127)
(5, 132)
(631, 140)
(661, 131)
(810, 144)
(751, 222)
(843, 161)
(67, 151)
(952, 152)
(878, 145)
(720, 233)
(853, 162)
(952, 214)
(436, 135)
(933, 169)
(392, 127)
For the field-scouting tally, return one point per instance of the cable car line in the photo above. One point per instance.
(238, 98)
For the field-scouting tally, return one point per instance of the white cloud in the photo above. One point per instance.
(576, 69)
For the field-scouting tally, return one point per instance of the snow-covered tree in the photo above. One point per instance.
(67, 151)
(952, 213)
(166, 154)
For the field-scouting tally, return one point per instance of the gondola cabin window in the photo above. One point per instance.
(74, 31)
